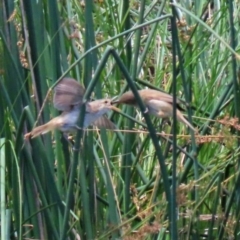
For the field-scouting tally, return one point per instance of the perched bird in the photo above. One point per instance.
(68, 97)
(158, 104)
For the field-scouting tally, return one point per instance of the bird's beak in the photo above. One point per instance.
(114, 100)
(112, 107)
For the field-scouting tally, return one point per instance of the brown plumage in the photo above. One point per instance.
(67, 94)
(68, 97)
(158, 103)
(54, 123)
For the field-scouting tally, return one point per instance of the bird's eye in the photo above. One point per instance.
(106, 101)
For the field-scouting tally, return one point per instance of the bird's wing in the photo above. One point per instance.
(154, 94)
(67, 94)
(104, 122)
(146, 95)
(161, 96)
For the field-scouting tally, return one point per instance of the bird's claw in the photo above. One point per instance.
(145, 111)
(75, 149)
(77, 127)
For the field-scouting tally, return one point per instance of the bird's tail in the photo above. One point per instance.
(184, 120)
(41, 129)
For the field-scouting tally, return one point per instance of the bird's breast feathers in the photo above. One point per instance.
(68, 121)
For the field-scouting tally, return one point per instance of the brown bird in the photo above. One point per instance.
(158, 104)
(68, 97)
